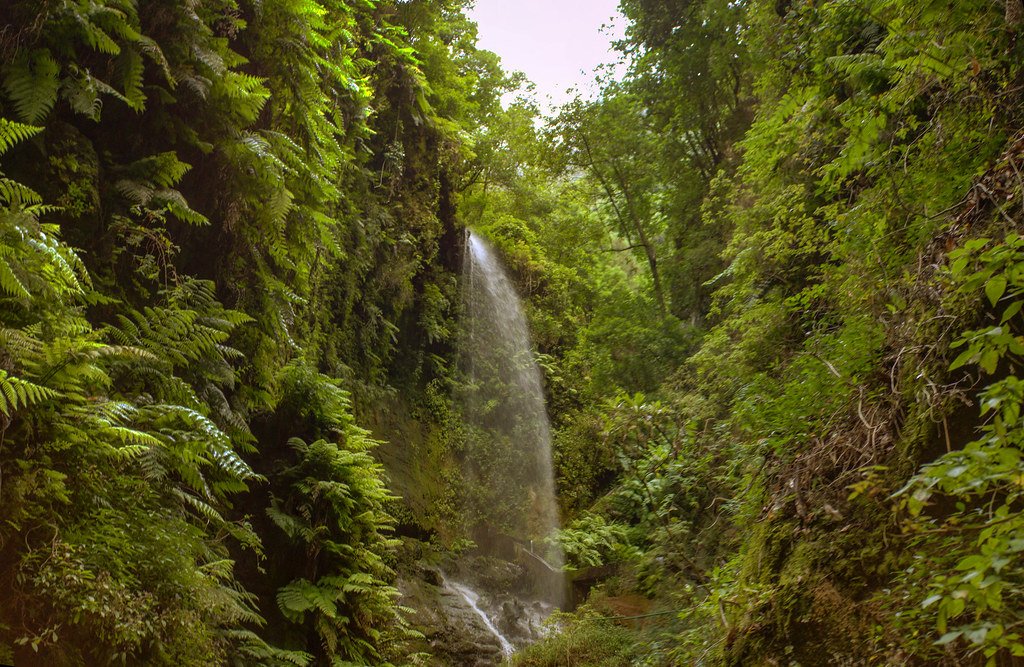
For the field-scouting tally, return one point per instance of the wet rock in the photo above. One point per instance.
(453, 633)
(432, 576)
(491, 574)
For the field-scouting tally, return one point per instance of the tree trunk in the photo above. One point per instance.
(652, 261)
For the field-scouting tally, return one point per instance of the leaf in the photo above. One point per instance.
(1011, 311)
(995, 288)
(12, 133)
(962, 358)
(989, 361)
(31, 83)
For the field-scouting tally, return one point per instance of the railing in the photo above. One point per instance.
(524, 548)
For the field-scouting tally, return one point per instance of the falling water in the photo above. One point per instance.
(472, 597)
(509, 447)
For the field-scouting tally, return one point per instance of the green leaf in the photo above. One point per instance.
(995, 288)
(1011, 311)
(31, 83)
(989, 361)
(962, 358)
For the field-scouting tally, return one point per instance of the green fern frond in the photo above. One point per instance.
(16, 393)
(162, 170)
(259, 652)
(62, 265)
(129, 452)
(199, 85)
(10, 282)
(127, 352)
(135, 192)
(12, 133)
(16, 194)
(152, 50)
(31, 82)
(19, 342)
(292, 526)
(177, 206)
(132, 438)
(82, 94)
(247, 93)
(301, 596)
(131, 69)
(278, 207)
(233, 464)
(97, 38)
(211, 59)
(201, 506)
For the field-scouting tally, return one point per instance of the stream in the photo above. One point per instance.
(472, 597)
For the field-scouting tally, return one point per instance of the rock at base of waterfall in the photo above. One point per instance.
(453, 632)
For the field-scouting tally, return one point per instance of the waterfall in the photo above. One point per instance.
(472, 598)
(511, 490)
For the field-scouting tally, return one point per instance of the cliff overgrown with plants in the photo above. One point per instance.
(774, 276)
(219, 221)
(819, 206)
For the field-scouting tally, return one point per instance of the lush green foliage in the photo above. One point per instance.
(774, 277)
(194, 196)
(781, 187)
(585, 641)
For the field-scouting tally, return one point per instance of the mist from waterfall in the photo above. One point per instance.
(509, 435)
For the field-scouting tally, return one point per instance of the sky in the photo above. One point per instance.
(556, 43)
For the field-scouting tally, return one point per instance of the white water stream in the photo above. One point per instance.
(472, 597)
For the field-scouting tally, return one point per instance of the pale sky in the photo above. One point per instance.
(556, 43)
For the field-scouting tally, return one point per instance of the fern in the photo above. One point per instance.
(163, 170)
(16, 393)
(9, 281)
(258, 651)
(17, 195)
(202, 507)
(246, 92)
(132, 413)
(131, 69)
(31, 82)
(302, 596)
(19, 343)
(97, 38)
(84, 93)
(175, 204)
(12, 133)
(133, 438)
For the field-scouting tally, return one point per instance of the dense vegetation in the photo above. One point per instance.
(774, 276)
